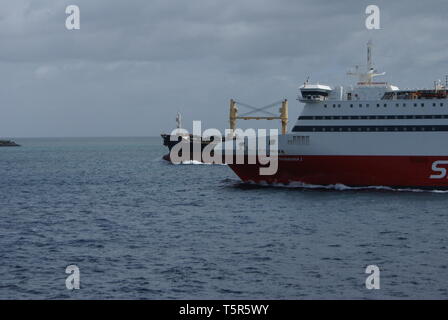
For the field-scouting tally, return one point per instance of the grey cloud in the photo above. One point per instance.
(135, 63)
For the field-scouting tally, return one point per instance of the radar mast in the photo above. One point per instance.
(365, 78)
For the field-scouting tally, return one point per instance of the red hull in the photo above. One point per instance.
(392, 171)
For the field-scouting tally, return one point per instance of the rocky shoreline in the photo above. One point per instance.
(8, 143)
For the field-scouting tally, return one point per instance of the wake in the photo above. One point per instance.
(341, 187)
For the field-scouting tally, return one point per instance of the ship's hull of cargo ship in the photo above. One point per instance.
(356, 171)
(195, 145)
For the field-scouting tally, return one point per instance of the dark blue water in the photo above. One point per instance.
(138, 227)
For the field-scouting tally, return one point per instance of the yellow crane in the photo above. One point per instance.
(233, 114)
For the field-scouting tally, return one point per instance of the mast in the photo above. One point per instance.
(365, 78)
(178, 121)
(369, 55)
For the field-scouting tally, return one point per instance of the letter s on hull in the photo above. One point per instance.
(435, 168)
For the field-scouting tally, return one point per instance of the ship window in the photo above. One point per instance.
(404, 104)
(441, 104)
(423, 104)
(433, 104)
(397, 105)
(360, 105)
(385, 105)
(325, 105)
(415, 104)
(351, 106)
(303, 140)
(367, 105)
(377, 105)
(334, 106)
(339, 105)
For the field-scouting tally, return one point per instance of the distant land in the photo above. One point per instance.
(8, 143)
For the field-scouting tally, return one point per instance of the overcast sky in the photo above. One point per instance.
(135, 63)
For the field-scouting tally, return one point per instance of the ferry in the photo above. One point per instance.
(369, 134)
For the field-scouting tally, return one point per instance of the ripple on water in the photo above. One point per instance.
(141, 228)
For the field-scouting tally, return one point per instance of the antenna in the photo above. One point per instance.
(178, 121)
(306, 81)
(369, 55)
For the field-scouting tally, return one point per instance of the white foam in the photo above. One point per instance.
(195, 162)
(343, 187)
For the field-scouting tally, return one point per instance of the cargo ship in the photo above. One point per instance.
(195, 143)
(369, 134)
(191, 140)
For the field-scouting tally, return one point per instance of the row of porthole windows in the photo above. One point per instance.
(368, 128)
(379, 129)
(386, 105)
(430, 116)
